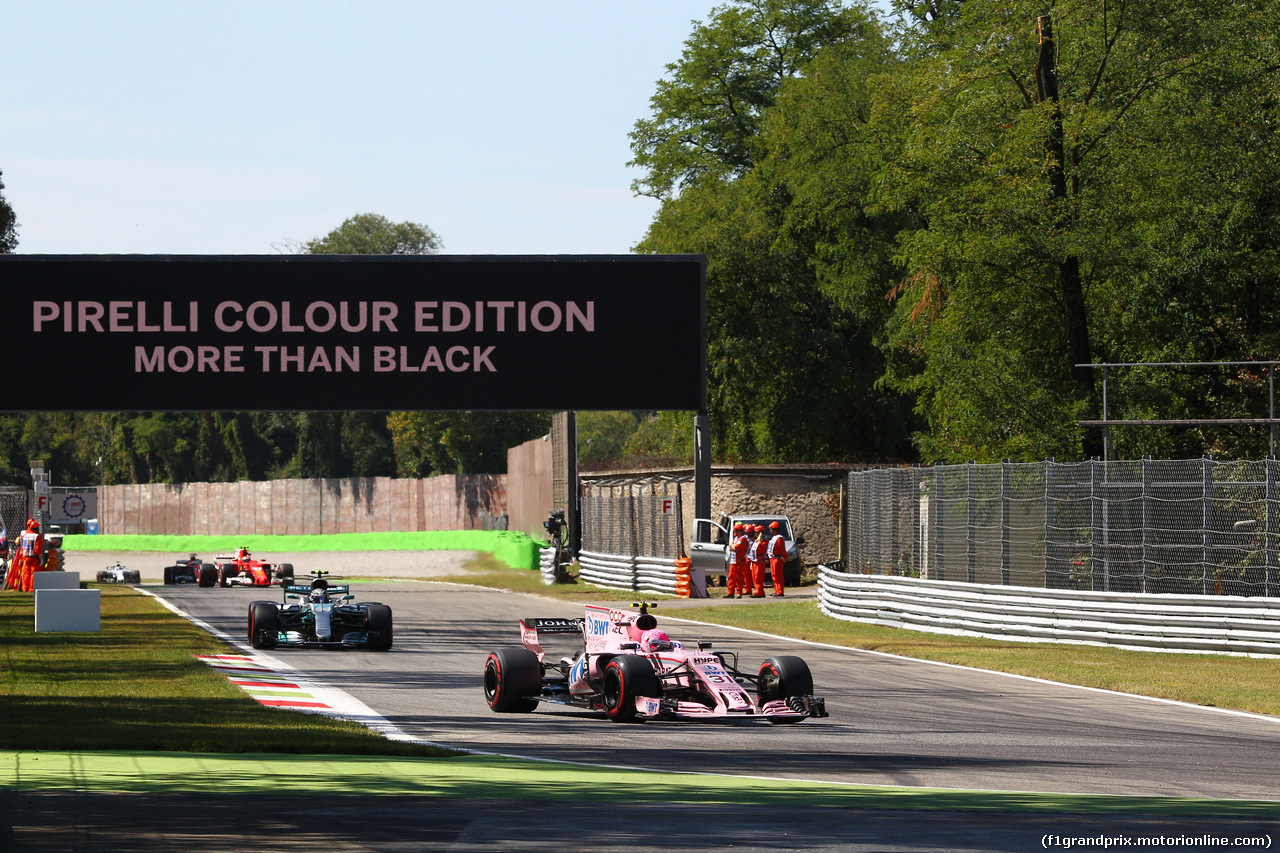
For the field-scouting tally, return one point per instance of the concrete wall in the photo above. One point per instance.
(297, 507)
(811, 500)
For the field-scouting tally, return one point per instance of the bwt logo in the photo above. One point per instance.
(597, 627)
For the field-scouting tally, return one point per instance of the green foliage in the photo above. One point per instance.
(371, 234)
(962, 217)
(602, 438)
(661, 439)
(429, 443)
(706, 113)
(792, 362)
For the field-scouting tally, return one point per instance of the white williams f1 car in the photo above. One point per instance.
(119, 574)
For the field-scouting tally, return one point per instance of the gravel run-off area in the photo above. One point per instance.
(361, 564)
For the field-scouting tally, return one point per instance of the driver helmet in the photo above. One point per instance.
(319, 593)
(655, 640)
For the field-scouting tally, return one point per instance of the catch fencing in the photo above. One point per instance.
(1186, 527)
(632, 532)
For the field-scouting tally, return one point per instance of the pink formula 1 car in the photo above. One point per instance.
(630, 670)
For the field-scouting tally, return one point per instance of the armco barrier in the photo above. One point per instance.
(1184, 623)
(654, 574)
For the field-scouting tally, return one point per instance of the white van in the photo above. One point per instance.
(709, 549)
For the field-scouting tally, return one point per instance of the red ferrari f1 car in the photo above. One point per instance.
(632, 671)
(240, 569)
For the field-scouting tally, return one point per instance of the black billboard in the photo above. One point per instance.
(355, 332)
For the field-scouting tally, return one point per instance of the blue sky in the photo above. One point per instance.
(236, 127)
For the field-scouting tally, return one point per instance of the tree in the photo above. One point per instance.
(1039, 134)
(430, 443)
(602, 438)
(371, 234)
(706, 113)
(8, 224)
(792, 361)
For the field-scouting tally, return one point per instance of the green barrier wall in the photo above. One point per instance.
(515, 549)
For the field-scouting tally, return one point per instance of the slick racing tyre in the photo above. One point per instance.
(627, 678)
(782, 677)
(208, 574)
(286, 573)
(512, 676)
(264, 624)
(377, 624)
(168, 576)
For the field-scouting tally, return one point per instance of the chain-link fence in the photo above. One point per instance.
(13, 509)
(640, 518)
(1161, 526)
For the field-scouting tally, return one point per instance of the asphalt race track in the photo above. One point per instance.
(893, 721)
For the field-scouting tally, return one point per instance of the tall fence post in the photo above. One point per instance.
(1004, 521)
(1049, 521)
(1095, 526)
(941, 522)
(1147, 568)
(970, 522)
(1206, 522)
(1269, 543)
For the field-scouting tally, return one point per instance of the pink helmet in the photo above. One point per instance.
(655, 640)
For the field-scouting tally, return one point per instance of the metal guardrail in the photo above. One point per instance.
(612, 571)
(1149, 622)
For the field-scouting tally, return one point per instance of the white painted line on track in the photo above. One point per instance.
(326, 700)
(1175, 702)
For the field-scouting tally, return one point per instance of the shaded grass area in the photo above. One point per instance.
(137, 685)
(501, 779)
(1221, 681)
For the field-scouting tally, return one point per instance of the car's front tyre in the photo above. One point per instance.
(783, 677)
(627, 678)
(377, 624)
(264, 624)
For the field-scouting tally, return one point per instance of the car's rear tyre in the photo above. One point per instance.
(264, 624)
(782, 677)
(626, 678)
(377, 623)
(208, 575)
(168, 576)
(512, 675)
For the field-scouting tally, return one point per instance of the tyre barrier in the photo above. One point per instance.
(683, 578)
(611, 571)
(1131, 620)
(547, 565)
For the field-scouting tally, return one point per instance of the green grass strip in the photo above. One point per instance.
(500, 778)
(513, 548)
